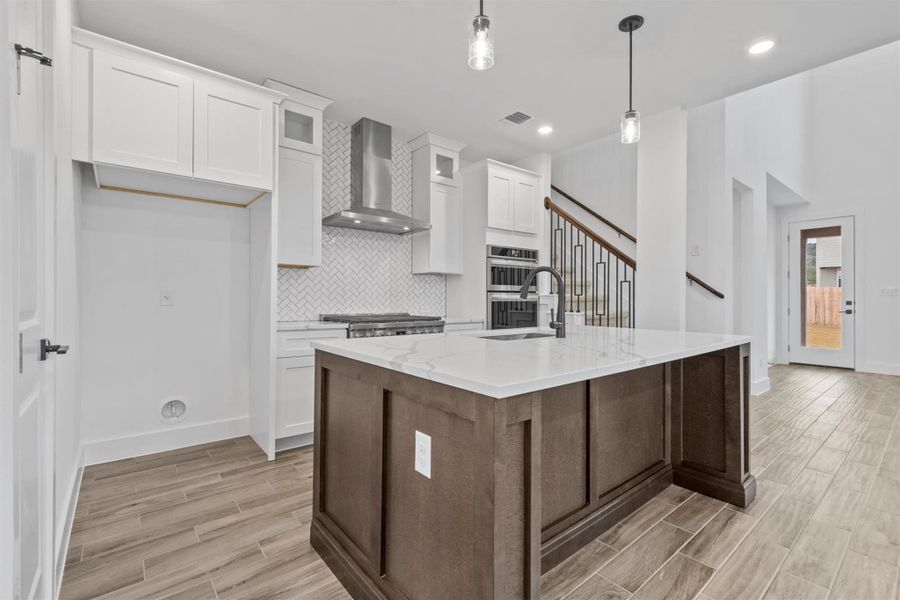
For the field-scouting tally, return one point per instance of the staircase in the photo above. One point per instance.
(599, 277)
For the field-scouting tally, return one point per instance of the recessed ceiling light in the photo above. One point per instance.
(761, 47)
(545, 130)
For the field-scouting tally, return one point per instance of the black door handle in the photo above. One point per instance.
(47, 348)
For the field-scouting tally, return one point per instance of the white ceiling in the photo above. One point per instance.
(562, 61)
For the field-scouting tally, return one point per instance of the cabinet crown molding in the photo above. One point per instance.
(298, 95)
(90, 39)
(430, 139)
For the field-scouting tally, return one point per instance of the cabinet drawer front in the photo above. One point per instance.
(142, 115)
(233, 136)
(464, 326)
(299, 343)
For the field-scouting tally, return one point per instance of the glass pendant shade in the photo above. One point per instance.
(631, 127)
(481, 44)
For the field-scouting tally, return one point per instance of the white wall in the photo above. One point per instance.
(661, 221)
(708, 208)
(603, 175)
(138, 353)
(855, 169)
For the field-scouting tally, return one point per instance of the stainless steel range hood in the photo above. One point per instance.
(370, 184)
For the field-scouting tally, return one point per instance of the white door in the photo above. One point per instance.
(500, 199)
(142, 115)
(822, 305)
(299, 209)
(28, 275)
(234, 135)
(525, 199)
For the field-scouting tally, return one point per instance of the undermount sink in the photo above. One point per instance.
(517, 336)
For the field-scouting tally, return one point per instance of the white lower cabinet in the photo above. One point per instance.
(295, 395)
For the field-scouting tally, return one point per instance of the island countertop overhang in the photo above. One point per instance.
(501, 369)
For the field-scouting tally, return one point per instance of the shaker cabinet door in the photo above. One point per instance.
(295, 396)
(500, 199)
(234, 135)
(142, 115)
(299, 209)
(525, 201)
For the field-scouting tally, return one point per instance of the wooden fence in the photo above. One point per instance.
(823, 306)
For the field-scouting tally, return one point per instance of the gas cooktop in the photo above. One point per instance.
(377, 325)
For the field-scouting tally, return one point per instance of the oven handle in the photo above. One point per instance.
(511, 262)
(512, 297)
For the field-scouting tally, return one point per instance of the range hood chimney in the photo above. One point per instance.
(370, 184)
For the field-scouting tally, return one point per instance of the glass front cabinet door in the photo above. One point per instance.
(300, 127)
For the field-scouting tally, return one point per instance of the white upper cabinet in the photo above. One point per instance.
(437, 199)
(299, 186)
(233, 135)
(500, 205)
(526, 198)
(142, 115)
(513, 198)
(299, 209)
(300, 118)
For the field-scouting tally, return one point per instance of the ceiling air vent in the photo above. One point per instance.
(517, 118)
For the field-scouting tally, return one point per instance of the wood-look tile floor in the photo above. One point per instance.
(219, 522)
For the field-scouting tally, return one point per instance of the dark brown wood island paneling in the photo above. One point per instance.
(517, 484)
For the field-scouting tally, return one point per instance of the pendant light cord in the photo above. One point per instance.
(630, 62)
(480, 8)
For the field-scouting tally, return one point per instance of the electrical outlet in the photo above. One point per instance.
(695, 250)
(423, 454)
(166, 298)
(890, 291)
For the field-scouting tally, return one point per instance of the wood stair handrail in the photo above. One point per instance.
(704, 285)
(551, 205)
(594, 214)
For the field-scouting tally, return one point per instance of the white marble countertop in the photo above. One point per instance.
(473, 362)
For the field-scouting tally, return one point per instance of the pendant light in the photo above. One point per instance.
(631, 120)
(481, 44)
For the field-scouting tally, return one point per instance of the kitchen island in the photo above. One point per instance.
(456, 466)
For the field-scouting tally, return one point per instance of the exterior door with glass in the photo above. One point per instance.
(822, 311)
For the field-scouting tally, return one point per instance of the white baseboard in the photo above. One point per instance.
(880, 368)
(101, 451)
(61, 537)
(759, 386)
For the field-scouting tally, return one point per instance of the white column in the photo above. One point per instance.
(661, 221)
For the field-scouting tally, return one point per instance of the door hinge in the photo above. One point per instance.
(20, 354)
(789, 311)
(28, 53)
(789, 347)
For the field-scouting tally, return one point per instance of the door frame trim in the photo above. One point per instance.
(784, 320)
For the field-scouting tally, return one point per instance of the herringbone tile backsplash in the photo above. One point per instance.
(362, 271)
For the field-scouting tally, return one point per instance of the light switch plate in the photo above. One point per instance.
(890, 291)
(423, 454)
(695, 250)
(166, 298)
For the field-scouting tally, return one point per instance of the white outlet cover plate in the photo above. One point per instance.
(166, 298)
(423, 454)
